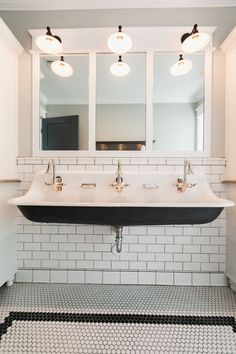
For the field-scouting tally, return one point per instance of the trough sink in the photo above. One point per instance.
(149, 199)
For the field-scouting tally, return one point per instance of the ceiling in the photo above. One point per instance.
(109, 4)
(123, 90)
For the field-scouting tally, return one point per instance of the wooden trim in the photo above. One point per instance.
(230, 42)
(229, 181)
(10, 180)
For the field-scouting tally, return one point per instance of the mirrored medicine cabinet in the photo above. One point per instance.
(148, 112)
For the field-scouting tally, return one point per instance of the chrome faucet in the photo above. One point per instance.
(182, 183)
(50, 171)
(119, 185)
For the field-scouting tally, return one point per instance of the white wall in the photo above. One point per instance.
(8, 108)
(174, 126)
(120, 122)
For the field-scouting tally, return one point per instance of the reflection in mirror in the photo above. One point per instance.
(178, 104)
(64, 105)
(120, 106)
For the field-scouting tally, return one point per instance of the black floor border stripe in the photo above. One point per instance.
(116, 318)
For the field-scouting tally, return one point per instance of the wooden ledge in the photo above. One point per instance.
(228, 181)
(10, 180)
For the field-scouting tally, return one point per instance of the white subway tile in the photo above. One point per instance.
(84, 264)
(58, 255)
(74, 255)
(67, 264)
(183, 279)
(76, 276)
(201, 279)
(32, 246)
(111, 277)
(49, 229)
(191, 266)
(173, 266)
(67, 246)
(102, 265)
(129, 278)
(58, 238)
(31, 229)
(209, 267)
(102, 230)
(192, 249)
(93, 238)
(94, 277)
(147, 278)
(41, 276)
(66, 229)
(209, 249)
(198, 257)
(146, 256)
(155, 248)
(155, 265)
(137, 248)
(156, 230)
(85, 247)
(120, 265)
(24, 254)
(40, 255)
(93, 256)
(182, 257)
(137, 265)
(24, 276)
(84, 229)
(30, 263)
(49, 246)
(164, 278)
(173, 248)
(59, 276)
(218, 280)
(50, 263)
(147, 239)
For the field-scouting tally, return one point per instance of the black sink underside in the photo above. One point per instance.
(116, 216)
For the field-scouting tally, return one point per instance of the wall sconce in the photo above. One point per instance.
(61, 68)
(119, 42)
(120, 68)
(194, 41)
(182, 66)
(49, 43)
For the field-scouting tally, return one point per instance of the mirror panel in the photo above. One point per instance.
(121, 104)
(178, 112)
(64, 105)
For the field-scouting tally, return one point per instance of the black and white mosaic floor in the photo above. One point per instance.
(119, 319)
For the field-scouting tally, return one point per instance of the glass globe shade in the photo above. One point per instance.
(181, 67)
(49, 44)
(120, 69)
(61, 68)
(119, 42)
(195, 42)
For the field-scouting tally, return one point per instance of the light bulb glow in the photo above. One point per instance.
(181, 67)
(119, 42)
(61, 68)
(195, 42)
(120, 68)
(48, 43)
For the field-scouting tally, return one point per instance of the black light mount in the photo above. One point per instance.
(120, 59)
(49, 33)
(186, 35)
(119, 28)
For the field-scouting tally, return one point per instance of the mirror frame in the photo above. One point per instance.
(92, 41)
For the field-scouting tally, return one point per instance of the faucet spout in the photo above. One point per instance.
(50, 171)
(182, 183)
(119, 185)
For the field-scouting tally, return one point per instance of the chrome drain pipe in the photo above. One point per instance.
(119, 238)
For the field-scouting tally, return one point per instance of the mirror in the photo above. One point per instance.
(178, 112)
(121, 104)
(64, 105)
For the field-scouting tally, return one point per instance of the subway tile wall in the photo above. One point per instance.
(171, 255)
